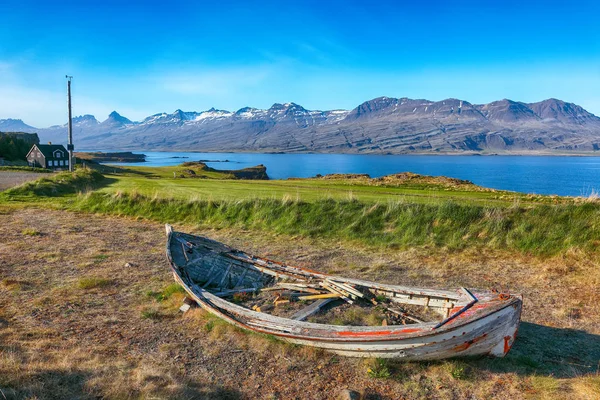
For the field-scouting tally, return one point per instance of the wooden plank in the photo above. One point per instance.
(311, 309)
(184, 253)
(209, 277)
(320, 296)
(300, 288)
(341, 293)
(241, 280)
(225, 275)
(225, 293)
(347, 288)
(462, 310)
(185, 308)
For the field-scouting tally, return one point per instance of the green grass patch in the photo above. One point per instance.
(166, 293)
(100, 257)
(209, 325)
(389, 217)
(59, 184)
(540, 230)
(30, 232)
(218, 189)
(151, 313)
(378, 368)
(24, 168)
(93, 283)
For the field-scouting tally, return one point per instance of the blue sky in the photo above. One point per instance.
(141, 58)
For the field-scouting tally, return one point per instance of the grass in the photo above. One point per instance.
(125, 343)
(359, 317)
(100, 257)
(24, 169)
(378, 368)
(541, 230)
(151, 313)
(424, 233)
(166, 293)
(30, 232)
(14, 285)
(63, 183)
(93, 282)
(377, 214)
(163, 186)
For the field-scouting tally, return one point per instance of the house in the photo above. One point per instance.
(51, 156)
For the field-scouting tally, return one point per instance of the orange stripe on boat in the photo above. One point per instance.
(507, 344)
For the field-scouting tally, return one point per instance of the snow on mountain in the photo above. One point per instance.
(381, 125)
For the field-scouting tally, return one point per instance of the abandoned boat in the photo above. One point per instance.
(464, 323)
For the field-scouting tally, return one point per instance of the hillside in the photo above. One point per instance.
(383, 125)
(14, 146)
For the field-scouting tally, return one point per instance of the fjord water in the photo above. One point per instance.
(565, 176)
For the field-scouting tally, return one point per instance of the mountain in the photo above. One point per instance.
(384, 125)
(115, 120)
(15, 125)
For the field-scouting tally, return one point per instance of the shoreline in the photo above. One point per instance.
(532, 154)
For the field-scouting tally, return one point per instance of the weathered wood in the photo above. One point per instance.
(225, 275)
(311, 309)
(241, 279)
(184, 252)
(300, 288)
(462, 310)
(338, 291)
(231, 292)
(345, 287)
(184, 308)
(320, 296)
(488, 327)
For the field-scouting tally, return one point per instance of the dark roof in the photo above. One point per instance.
(48, 149)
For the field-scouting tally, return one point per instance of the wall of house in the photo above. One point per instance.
(36, 161)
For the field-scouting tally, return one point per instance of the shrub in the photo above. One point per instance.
(378, 368)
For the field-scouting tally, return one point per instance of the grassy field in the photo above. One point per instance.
(65, 293)
(159, 182)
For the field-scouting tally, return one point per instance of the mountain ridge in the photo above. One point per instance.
(384, 125)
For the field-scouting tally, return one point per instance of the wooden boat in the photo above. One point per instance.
(468, 322)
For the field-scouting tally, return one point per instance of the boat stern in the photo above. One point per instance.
(509, 336)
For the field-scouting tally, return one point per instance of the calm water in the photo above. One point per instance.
(568, 176)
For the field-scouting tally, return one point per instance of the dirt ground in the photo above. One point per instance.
(9, 179)
(79, 318)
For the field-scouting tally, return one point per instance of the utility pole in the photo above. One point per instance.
(70, 146)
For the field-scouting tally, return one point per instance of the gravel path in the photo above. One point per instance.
(9, 179)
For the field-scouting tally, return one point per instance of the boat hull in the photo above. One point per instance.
(488, 328)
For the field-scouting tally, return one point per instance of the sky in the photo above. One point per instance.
(144, 57)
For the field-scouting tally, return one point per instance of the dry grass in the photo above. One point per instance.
(121, 335)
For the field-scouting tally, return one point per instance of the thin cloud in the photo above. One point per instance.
(216, 83)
